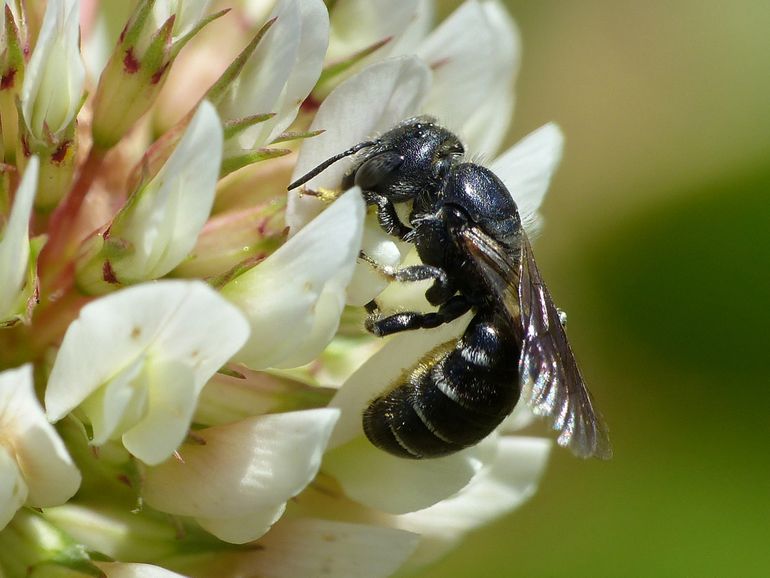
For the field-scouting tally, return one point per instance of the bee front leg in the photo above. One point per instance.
(449, 311)
(387, 216)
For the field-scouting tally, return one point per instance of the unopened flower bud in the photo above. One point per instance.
(137, 69)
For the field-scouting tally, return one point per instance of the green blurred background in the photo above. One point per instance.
(657, 244)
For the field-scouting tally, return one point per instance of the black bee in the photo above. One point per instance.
(468, 233)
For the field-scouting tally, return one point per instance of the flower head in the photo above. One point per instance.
(195, 334)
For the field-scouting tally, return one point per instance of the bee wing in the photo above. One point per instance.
(550, 379)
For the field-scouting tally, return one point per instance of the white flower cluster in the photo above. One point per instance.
(168, 323)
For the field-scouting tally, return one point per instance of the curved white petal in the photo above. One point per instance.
(169, 412)
(49, 473)
(357, 24)
(251, 466)
(474, 55)
(412, 485)
(13, 490)
(280, 73)
(167, 338)
(54, 78)
(367, 282)
(300, 288)
(14, 243)
(526, 169)
(417, 30)
(510, 480)
(162, 224)
(374, 100)
(239, 530)
(307, 547)
(131, 570)
(486, 128)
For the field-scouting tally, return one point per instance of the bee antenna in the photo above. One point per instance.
(328, 162)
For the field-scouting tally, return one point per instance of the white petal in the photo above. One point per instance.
(54, 78)
(163, 223)
(527, 168)
(510, 480)
(165, 340)
(306, 547)
(281, 72)
(486, 128)
(398, 355)
(252, 466)
(357, 24)
(170, 408)
(474, 55)
(248, 528)
(122, 400)
(373, 100)
(169, 319)
(360, 468)
(123, 570)
(42, 458)
(419, 27)
(285, 290)
(314, 38)
(14, 242)
(521, 417)
(13, 490)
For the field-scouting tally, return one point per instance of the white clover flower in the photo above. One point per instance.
(278, 75)
(159, 225)
(35, 468)
(53, 85)
(152, 348)
(300, 288)
(211, 434)
(263, 461)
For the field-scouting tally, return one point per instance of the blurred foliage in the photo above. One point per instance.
(657, 244)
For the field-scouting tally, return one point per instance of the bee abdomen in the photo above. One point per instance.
(458, 401)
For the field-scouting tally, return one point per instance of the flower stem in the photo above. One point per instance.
(57, 258)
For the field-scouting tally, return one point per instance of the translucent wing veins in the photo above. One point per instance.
(549, 376)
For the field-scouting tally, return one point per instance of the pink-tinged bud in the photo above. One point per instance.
(12, 44)
(138, 68)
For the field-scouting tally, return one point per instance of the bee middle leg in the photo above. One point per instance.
(441, 290)
(455, 307)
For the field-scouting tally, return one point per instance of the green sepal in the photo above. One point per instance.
(234, 163)
(136, 24)
(233, 128)
(219, 88)
(334, 69)
(180, 42)
(290, 136)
